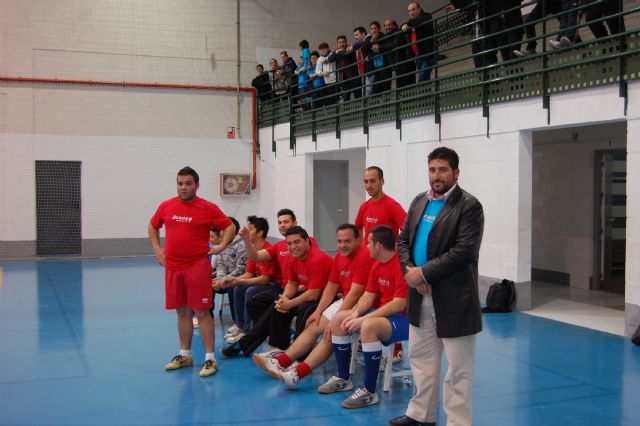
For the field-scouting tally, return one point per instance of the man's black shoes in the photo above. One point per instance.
(408, 421)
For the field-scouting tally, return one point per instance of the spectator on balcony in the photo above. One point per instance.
(568, 21)
(316, 81)
(540, 10)
(262, 84)
(326, 70)
(382, 80)
(350, 82)
(362, 47)
(288, 71)
(302, 72)
(607, 8)
(278, 80)
(511, 22)
(398, 54)
(420, 32)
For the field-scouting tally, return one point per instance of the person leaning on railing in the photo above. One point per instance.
(326, 70)
(420, 32)
(278, 80)
(397, 53)
(349, 80)
(262, 84)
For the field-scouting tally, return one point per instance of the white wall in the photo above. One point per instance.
(497, 169)
(131, 141)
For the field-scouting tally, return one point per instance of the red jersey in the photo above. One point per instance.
(312, 272)
(386, 280)
(187, 229)
(269, 267)
(385, 211)
(280, 251)
(347, 270)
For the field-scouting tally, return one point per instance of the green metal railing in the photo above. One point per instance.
(614, 59)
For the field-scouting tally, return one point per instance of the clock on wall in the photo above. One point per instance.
(235, 184)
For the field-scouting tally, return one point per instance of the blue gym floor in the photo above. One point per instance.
(84, 342)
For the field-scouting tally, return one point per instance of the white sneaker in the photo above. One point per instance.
(235, 338)
(555, 44)
(272, 352)
(232, 331)
(289, 377)
(268, 364)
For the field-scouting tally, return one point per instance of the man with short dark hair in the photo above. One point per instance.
(254, 281)
(187, 219)
(347, 69)
(261, 84)
(439, 248)
(380, 209)
(378, 317)
(307, 272)
(398, 54)
(420, 32)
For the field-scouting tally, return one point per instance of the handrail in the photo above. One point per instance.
(438, 88)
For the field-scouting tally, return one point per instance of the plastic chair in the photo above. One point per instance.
(387, 359)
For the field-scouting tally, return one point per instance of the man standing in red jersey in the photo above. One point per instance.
(187, 219)
(380, 209)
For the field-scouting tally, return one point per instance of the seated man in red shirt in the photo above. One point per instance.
(308, 272)
(348, 277)
(378, 317)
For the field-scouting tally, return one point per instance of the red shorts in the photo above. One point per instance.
(189, 287)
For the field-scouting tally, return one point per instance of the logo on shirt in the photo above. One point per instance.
(384, 282)
(183, 219)
(372, 219)
(303, 277)
(429, 218)
(346, 273)
(284, 253)
(205, 300)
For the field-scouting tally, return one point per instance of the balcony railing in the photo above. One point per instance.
(614, 59)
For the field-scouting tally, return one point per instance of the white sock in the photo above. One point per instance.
(341, 340)
(209, 356)
(185, 352)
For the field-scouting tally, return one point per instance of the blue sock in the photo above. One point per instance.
(372, 355)
(342, 351)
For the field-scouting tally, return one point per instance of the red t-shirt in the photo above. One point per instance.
(386, 280)
(280, 251)
(414, 46)
(269, 267)
(187, 229)
(347, 270)
(385, 211)
(312, 272)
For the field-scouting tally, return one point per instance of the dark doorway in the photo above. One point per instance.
(58, 215)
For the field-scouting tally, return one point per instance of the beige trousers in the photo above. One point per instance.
(425, 352)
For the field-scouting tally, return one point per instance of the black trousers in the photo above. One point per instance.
(269, 323)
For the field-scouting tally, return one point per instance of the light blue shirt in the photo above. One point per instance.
(424, 228)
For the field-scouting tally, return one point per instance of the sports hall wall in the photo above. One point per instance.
(498, 169)
(132, 140)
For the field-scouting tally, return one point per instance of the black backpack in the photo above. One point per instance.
(500, 297)
(636, 336)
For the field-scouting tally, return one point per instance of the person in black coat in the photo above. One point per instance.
(439, 247)
(262, 84)
(398, 53)
(420, 33)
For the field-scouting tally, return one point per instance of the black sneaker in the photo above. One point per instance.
(231, 351)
